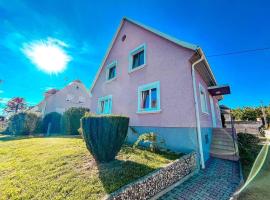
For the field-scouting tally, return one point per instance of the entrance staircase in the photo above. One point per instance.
(224, 144)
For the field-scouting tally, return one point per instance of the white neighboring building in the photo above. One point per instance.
(73, 95)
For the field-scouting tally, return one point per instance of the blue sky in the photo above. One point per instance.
(84, 29)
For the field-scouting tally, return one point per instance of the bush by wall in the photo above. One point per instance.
(104, 135)
(151, 141)
(249, 147)
(70, 122)
(52, 121)
(24, 123)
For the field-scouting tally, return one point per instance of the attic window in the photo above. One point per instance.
(124, 38)
(111, 71)
(137, 58)
(69, 97)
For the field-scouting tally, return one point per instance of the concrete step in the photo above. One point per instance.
(222, 143)
(224, 140)
(225, 157)
(223, 147)
(222, 132)
(228, 140)
(218, 150)
(223, 129)
(223, 136)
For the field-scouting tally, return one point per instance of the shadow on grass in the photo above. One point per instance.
(118, 173)
(6, 138)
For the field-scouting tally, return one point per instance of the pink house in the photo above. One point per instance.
(163, 84)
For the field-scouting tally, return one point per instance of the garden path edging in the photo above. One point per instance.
(155, 183)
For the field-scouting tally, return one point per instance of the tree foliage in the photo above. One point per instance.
(249, 113)
(24, 123)
(52, 122)
(15, 105)
(104, 135)
(71, 120)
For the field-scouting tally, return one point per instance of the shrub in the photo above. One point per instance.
(151, 139)
(71, 120)
(104, 135)
(24, 123)
(249, 147)
(53, 121)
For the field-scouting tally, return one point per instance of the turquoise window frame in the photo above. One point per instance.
(108, 67)
(145, 87)
(204, 107)
(142, 47)
(109, 98)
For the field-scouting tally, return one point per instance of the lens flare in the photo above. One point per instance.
(48, 55)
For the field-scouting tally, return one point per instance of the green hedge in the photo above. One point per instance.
(53, 120)
(24, 123)
(249, 147)
(104, 135)
(71, 120)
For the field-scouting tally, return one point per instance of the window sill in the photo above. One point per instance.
(108, 81)
(136, 69)
(149, 111)
(205, 113)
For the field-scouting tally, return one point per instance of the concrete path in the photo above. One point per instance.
(217, 182)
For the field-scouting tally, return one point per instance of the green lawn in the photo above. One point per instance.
(259, 187)
(62, 168)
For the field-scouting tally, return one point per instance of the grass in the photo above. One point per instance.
(62, 168)
(258, 188)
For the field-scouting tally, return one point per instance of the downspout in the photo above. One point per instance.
(198, 122)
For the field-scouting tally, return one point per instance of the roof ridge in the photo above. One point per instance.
(164, 35)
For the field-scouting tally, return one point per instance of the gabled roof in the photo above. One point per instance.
(55, 91)
(163, 35)
(181, 43)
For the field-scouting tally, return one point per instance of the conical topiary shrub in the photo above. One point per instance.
(104, 135)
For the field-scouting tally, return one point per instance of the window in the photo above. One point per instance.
(218, 111)
(81, 99)
(203, 99)
(105, 105)
(111, 71)
(149, 98)
(60, 110)
(137, 58)
(69, 97)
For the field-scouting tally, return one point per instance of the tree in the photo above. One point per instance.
(15, 104)
(237, 113)
(249, 114)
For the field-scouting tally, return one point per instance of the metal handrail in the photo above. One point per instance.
(234, 136)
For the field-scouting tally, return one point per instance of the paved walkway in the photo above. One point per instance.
(217, 182)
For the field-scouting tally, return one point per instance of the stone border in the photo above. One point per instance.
(155, 183)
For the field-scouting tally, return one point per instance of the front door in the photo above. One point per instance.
(214, 120)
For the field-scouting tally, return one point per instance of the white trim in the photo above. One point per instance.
(149, 112)
(198, 122)
(204, 102)
(133, 52)
(106, 55)
(169, 38)
(145, 87)
(207, 65)
(213, 112)
(108, 67)
(104, 98)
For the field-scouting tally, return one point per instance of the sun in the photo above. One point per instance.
(48, 55)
